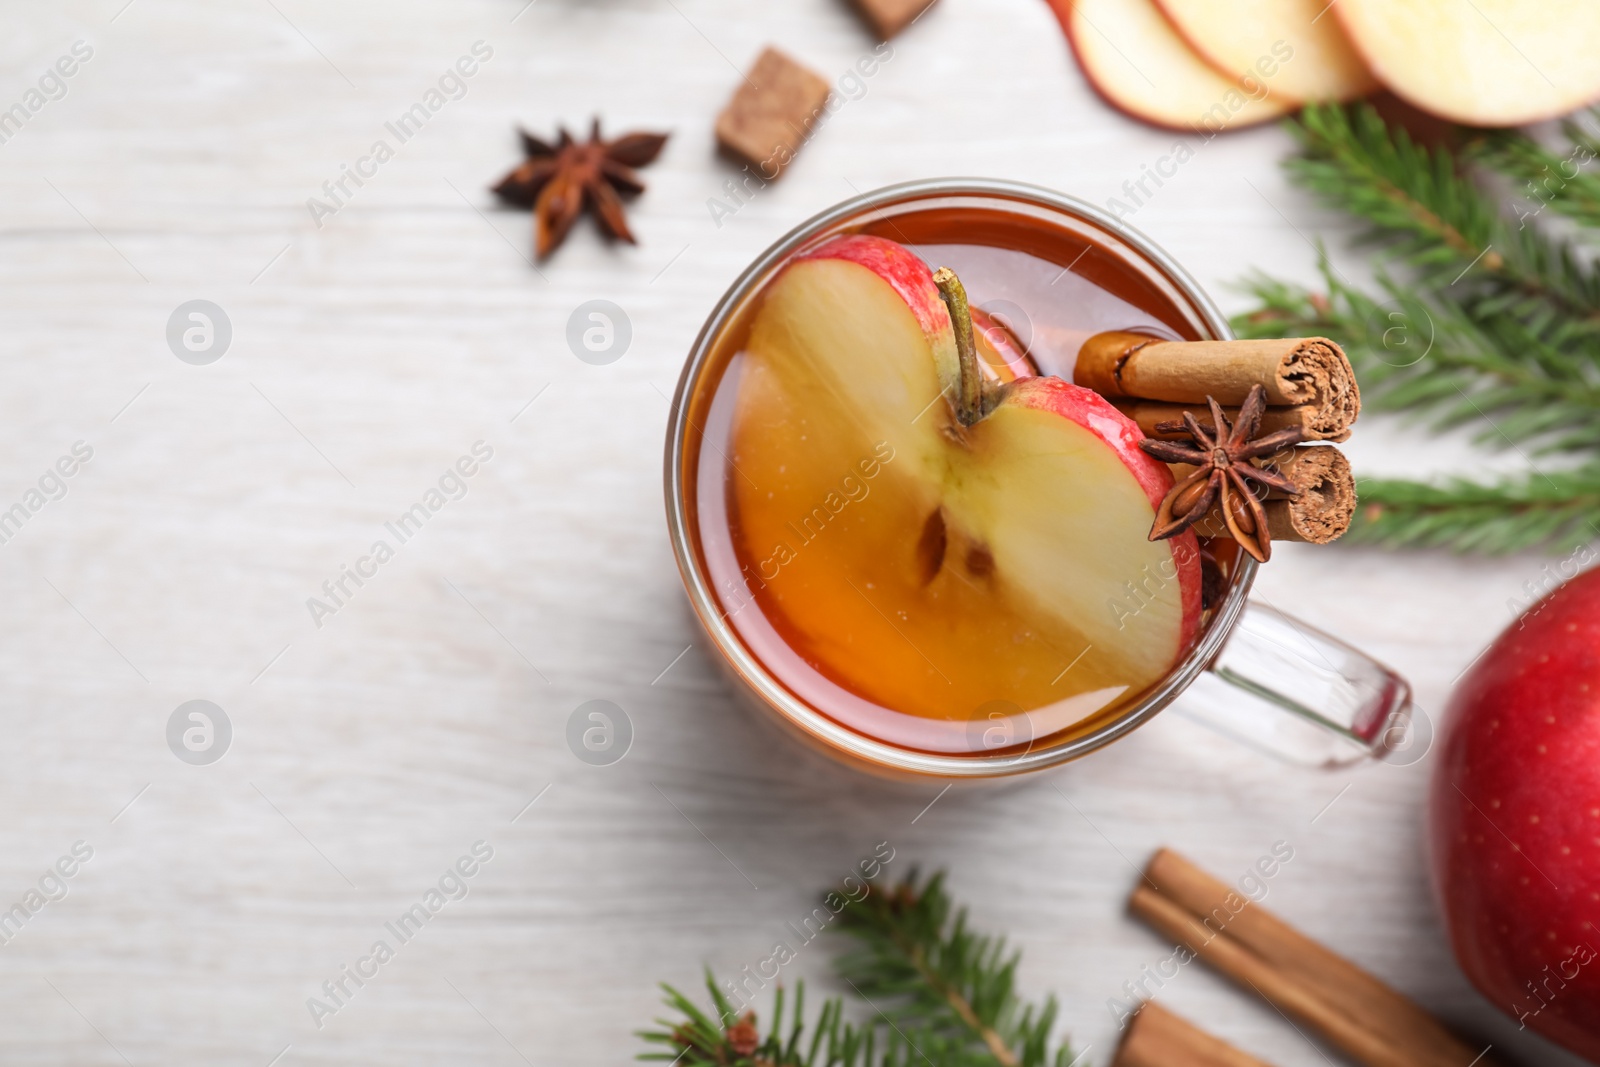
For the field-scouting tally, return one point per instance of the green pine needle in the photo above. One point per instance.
(940, 996)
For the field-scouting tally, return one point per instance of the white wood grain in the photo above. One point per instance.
(427, 713)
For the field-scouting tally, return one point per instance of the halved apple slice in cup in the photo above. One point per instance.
(1005, 520)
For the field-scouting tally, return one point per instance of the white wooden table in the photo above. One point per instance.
(367, 354)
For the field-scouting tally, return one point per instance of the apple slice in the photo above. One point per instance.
(1295, 48)
(929, 566)
(1481, 62)
(1136, 60)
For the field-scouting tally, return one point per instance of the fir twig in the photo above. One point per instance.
(1561, 181)
(940, 996)
(1428, 212)
(934, 972)
(1560, 510)
(1413, 199)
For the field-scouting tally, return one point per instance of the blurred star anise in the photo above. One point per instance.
(557, 180)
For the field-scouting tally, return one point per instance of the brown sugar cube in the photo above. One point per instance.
(771, 115)
(889, 17)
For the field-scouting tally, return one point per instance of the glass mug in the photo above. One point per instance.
(1254, 672)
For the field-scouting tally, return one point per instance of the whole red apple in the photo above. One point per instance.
(1515, 818)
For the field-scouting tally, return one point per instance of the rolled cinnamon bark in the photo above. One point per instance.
(1255, 946)
(1326, 503)
(1158, 1038)
(1320, 513)
(1226, 954)
(1295, 371)
(1163, 420)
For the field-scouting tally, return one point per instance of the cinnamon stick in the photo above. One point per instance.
(1245, 967)
(1158, 1038)
(1296, 371)
(1332, 977)
(1348, 1006)
(1320, 513)
(1164, 421)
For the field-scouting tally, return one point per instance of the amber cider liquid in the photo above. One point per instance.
(945, 689)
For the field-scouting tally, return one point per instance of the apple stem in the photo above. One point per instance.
(969, 402)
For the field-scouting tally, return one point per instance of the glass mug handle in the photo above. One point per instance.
(1283, 687)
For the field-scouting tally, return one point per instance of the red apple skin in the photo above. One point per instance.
(896, 264)
(1515, 818)
(1095, 413)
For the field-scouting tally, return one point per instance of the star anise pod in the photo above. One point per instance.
(1225, 456)
(557, 180)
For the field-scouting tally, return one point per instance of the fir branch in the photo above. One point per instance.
(1413, 199)
(941, 996)
(1425, 208)
(1547, 178)
(1560, 510)
(697, 1040)
(936, 973)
